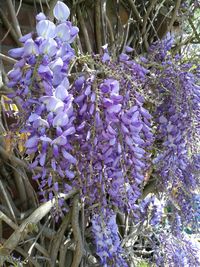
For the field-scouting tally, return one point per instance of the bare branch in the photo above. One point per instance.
(57, 239)
(136, 14)
(7, 220)
(8, 59)
(15, 22)
(84, 30)
(194, 29)
(110, 30)
(77, 233)
(8, 156)
(174, 15)
(9, 28)
(146, 16)
(8, 200)
(98, 25)
(11, 243)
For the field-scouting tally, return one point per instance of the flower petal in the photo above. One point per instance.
(46, 29)
(68, 156)
(63, 32)
(61, 92)
(61, 11)
(61, 119)
(16, 52)
(32, 142)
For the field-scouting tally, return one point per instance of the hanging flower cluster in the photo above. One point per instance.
(105, 231)
(177, 117)
(173, 253)
(113, 135)
(41, 78)
(95, 133)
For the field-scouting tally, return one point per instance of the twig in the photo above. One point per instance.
(8, 59)
(14, 18)
(63, 252)
(110, 29)
(135, 11)
(194, 29)
(11, 243)
(23, 253)
(32, 197)
(51, 5)
(104, 25)
(57, 239)
(9, 202)
(77, 233)
(41, 249)
(14, 226)
(7, 220)
(84, 31)
(37, 1)
(98, 25)
(19, 181)
(146, 16)
(7, 156)
(174, 15)
(78, 2)
(151, 22)
(48, 232)
(9, 26)
(127, 32)
(38, 246)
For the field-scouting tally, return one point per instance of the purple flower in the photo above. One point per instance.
(25, 37)
(16, 52)
(46, 29)
(61, 119)
(40, 16)
(56, 65)
(15, 74)
(30, 48)
(60, 140)
(69, 174)
(68, 156)
(32, 142)
(63, 32)
(61, 92)
(61, 11)
(52, 103)
(114, 108)
(48, 47)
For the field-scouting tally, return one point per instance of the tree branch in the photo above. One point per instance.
(135, 11)
(194, 29)
(98, 25)
(174, 15)
(84, 30)
(8, 59)
(9, 28)
(15, 22)
(57, 239)
(77, 233)
(11, 243)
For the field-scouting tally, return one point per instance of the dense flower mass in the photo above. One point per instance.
(173, 253)
(107, 239)
(44, 95)
(109, 132)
